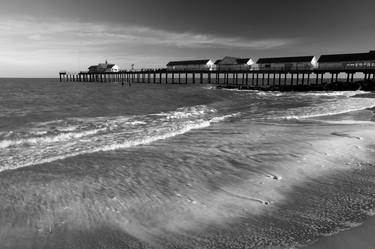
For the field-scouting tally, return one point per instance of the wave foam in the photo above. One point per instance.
(335, 107)
(114, 133)
(48, 139)
(332, 94)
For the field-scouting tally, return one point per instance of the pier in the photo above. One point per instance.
(310, 79)
(299, 73)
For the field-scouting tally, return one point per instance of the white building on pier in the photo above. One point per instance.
(104, 68)
(191, 65)
(288, 63)
(348, 61)
(234, 64)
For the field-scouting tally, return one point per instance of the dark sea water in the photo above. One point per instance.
(97, 165)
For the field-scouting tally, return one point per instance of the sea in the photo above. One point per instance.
(100, 165)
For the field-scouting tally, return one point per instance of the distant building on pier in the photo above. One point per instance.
(349, 61)
(104, 68)
(234, 64)
(199, 65)
(288, 63)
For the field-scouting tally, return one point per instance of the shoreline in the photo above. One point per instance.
(361, 237)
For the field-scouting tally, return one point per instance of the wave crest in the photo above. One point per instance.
(77, 136)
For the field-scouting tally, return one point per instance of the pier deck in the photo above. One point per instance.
(305, 79)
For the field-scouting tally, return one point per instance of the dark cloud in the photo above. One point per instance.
(254, 27)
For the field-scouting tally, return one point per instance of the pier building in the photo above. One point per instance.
(104, 68)
(348, 61)
(288, 63)
(199, 65)
(235, 64)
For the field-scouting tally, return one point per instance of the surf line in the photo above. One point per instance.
(246, 197)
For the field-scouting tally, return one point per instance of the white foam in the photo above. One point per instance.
(222, 118)
(334, 107)
(348, 122)
(258, 92)
(48, 139)
(133, 131)
(336, 93)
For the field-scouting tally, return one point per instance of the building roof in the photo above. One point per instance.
(243, 61)
(186, 63)
(232, 61)
(297, 59)
(347, 57)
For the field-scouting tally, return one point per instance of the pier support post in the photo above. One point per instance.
(263, 79)
(308, 78)
(201, 78)
(303, 79)
(291, 79)
(297, 81)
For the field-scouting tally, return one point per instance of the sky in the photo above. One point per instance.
(39, 38)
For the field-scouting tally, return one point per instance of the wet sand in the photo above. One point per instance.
(361, 237)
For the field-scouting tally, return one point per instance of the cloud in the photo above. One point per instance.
(149, 36)
(86, 34)
(41, 43)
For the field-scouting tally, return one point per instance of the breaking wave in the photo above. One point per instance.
(299, 94)
(51, 141)
(329, 94)
(328, 108)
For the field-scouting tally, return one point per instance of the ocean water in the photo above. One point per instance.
(97, 165)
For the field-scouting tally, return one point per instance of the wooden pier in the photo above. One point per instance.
(292, 80)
